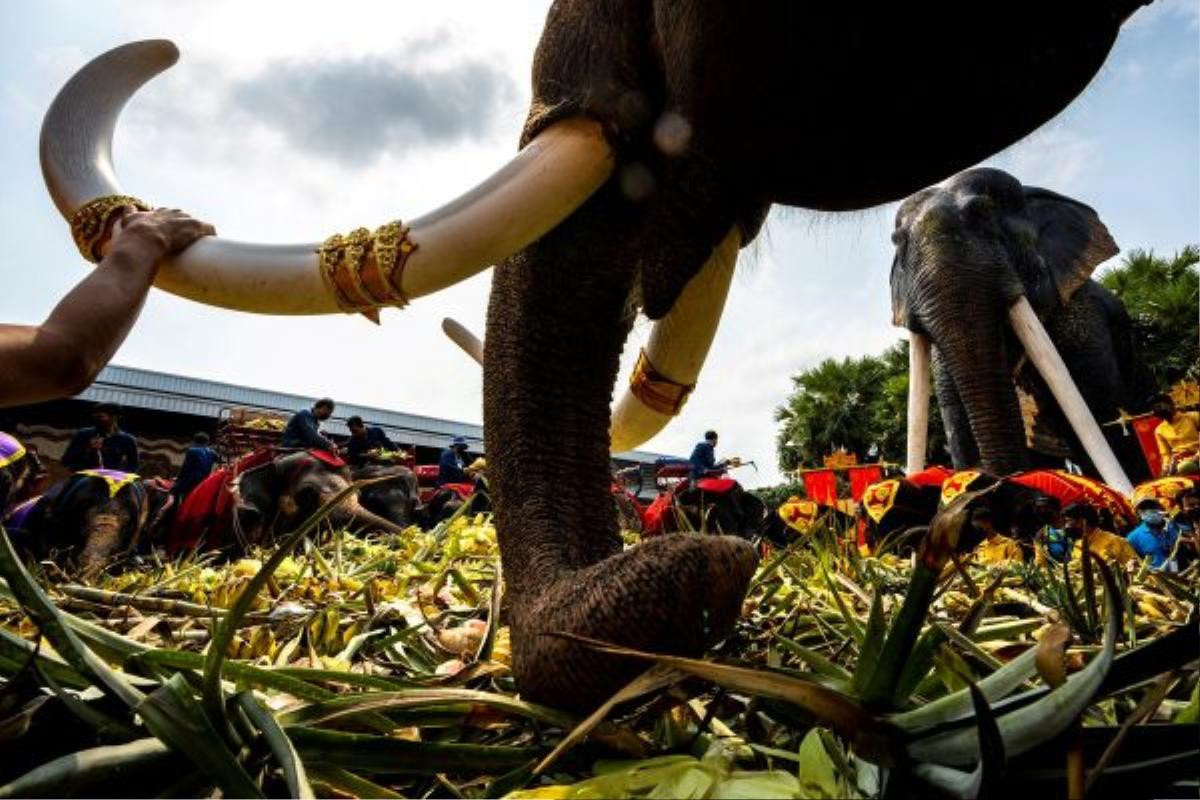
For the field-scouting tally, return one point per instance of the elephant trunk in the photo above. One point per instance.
(351, 512)
(102, 538)
(557, 321)
(972, 350)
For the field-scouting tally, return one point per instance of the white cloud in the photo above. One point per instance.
(1056, 156)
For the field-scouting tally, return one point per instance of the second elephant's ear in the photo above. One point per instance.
(1070, 238)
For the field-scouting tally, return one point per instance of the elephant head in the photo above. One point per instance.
(979, 260)
(305, 483)
(659, 135)
(393, 493)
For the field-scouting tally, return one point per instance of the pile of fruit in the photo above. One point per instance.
(379, 667)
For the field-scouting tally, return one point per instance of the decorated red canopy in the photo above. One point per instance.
(930, 476)
(1068, 489)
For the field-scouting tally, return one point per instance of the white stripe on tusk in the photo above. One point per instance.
(679, 343)
(918, 401)
(1050, 366)
(542, 185)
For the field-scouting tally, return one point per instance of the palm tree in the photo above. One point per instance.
(1162, 296)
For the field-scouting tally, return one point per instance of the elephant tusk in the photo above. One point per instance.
(918, 401)
(542, 185)
(674, 356)
(467, 341)
(1049, 364)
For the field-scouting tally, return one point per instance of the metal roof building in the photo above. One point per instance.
(177, 394)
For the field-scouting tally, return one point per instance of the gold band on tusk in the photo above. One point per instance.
(91, 222)
(363, 269)
(655, 390)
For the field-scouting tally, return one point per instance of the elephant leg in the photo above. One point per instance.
(558, 316)
(964, 452)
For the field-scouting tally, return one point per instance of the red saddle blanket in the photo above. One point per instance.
(206, 515)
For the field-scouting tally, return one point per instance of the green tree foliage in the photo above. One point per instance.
(1162, 295)
(855, 403)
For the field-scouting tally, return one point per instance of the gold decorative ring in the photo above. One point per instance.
(91, 224)
(657, 391)
(363, 269)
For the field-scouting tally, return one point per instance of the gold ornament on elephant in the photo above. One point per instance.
(655, 390)
(91, 224)
(363, 269)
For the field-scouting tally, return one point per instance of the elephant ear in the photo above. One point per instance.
(1071, 239)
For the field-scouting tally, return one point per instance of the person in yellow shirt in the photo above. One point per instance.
(1083, 525)
(994, 549)
(1177, 436)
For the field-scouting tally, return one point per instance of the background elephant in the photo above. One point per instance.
(659, 136)
(88, 519)
(396, 499)
(966, 251)
(278, 496)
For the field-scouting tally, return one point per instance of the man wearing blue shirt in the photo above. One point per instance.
(103, 445)
(451, 464)
(198, 462)
(303, 432)
(1155, 537)
(704, 457)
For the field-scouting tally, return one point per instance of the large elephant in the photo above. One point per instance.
(966, 253)
(659, 136)
(89, 518)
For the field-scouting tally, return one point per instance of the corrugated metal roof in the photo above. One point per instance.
(179, 394)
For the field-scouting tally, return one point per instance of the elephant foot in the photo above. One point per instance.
(674, 594)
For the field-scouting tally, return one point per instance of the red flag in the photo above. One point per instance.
(1144, 426)
(861, 478)
(821, 486)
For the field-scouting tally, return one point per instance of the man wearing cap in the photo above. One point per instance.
(451, 463)
(1156, 536)
(102, 445)
(303, 431)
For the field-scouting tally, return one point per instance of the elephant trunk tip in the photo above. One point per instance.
(676, 594)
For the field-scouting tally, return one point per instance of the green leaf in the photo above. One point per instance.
(93, 771)
(281, 747)
(818, 773)
(872, 645)
(173, 715)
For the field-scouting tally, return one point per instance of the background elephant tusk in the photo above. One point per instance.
(469, 342)
(679, 343)
(542, 185)
(918, 401)
(1049, 364)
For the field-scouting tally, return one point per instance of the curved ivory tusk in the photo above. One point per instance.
(1049, 364)
(918, 401)
(469, 342)
(679, 344)
(536, 190)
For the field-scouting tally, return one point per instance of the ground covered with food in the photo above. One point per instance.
(347, 667)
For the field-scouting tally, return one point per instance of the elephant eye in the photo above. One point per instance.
(899, 235)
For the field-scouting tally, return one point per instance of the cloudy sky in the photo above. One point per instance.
(290, 121)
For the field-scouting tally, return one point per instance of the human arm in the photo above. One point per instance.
(62, 356)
